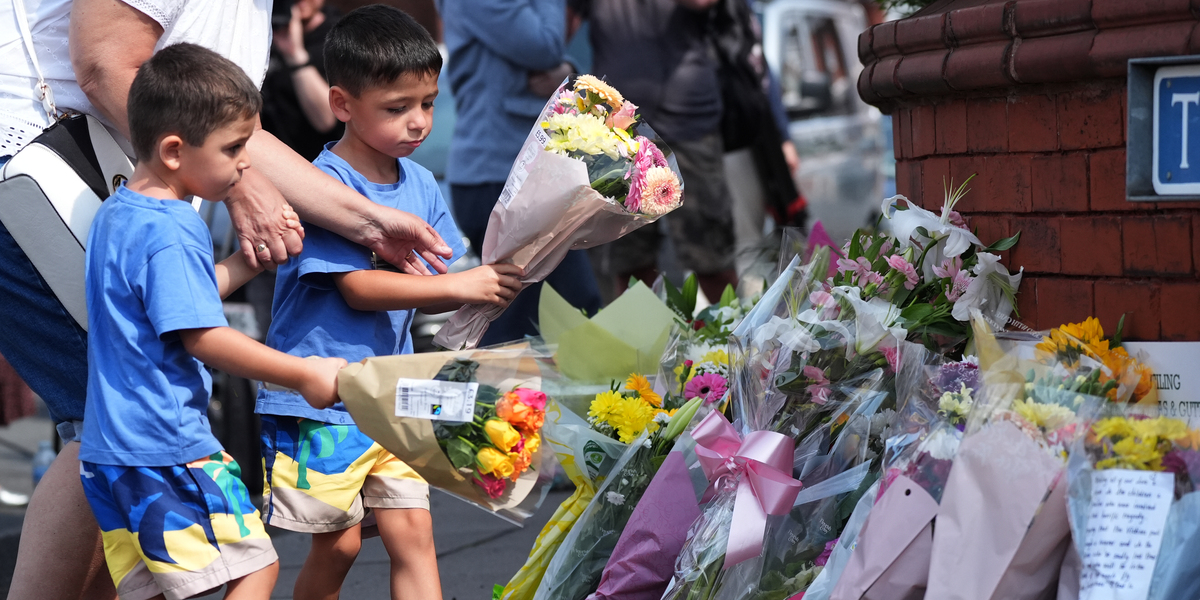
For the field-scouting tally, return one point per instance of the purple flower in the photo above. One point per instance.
(709, 386)
(952, 376)
(824, 557)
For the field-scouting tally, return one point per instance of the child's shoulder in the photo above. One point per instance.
(415, 172)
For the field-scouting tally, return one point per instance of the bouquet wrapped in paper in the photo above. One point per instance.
(589, 173)
(1134, 507)
(468, 422)
(587, 457)
(1002, 529)
(891, 555)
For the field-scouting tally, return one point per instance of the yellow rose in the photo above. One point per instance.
(533, 442)
(502, 434)
(495, 462)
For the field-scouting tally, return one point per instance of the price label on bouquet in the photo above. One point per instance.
(436, 400)
(1125, 523)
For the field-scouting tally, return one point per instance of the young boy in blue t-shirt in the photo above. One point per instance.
(321, 471)
(175, 517)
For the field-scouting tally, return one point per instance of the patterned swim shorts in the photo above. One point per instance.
(321, 477)
(178, 530)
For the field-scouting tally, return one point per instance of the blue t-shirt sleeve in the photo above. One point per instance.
(326, 253)
(179, 290)
(440, 219)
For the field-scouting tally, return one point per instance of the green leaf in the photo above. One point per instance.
(728, 297)
(460, 453)
(675, 300)
(1004, 244)
(497, 591)
(917, 312)
(921, 231)
(856, 249)
(691, 286)
(1116, 338)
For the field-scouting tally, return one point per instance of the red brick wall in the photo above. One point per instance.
(1050, 163)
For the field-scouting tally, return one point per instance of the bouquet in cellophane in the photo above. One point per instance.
(1135, 513)
(890, 557)
(469, 422)
(589, 173)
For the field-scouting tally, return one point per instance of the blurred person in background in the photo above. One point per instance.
(659, 55)
(506, 59)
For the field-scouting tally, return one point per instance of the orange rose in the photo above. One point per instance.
(520, 415)
(520, 462)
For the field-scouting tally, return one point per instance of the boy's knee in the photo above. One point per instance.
(339, 550)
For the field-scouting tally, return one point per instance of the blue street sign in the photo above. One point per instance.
(1177, 130)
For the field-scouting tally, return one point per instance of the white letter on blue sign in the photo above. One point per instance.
(1185, 99)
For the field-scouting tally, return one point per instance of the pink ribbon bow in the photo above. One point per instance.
(763, 464)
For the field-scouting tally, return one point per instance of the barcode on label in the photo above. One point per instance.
(436, 400)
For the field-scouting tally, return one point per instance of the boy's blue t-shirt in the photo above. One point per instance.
(149, 274)
(309, 317)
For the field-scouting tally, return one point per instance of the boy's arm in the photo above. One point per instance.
(373, 290)
(231, 351)
(233, 273)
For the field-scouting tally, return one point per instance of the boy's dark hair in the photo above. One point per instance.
(375, 45)
(188, 90)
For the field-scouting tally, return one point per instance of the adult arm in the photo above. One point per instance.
(518, 32)
(312, 91)
(229, 350)
(109, 41)
(326, 202)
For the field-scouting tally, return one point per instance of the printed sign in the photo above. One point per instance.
(1176, 367)
(436, 400)
(1124, 532)
(1177, 130)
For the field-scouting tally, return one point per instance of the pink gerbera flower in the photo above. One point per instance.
(710, 386)
(660, 192)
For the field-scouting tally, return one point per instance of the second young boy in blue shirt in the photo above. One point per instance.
(334, 301)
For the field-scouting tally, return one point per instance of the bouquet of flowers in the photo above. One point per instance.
(1083, 345)
(1133, 507)
(589, 173)
(933, 269)
(468, 422)
(891, 557)
(1002, 526)
(575, 570)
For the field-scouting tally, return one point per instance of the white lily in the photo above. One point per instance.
(905, 223)
(788, 332)
(991, 291)
(873, 320)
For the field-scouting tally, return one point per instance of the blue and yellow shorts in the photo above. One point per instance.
(178, 530)
(321, 477)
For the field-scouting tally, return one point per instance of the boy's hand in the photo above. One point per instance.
(320, 382)
(491, 284)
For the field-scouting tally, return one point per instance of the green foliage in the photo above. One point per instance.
(460, 452)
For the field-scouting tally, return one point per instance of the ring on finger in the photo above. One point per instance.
(260, 248)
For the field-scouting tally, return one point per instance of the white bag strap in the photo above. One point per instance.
(44, 93)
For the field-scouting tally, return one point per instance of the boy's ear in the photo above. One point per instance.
(170, 146)
(338, 100)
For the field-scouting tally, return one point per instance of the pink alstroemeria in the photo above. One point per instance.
(892, 355)
(958, 285)
(949, 267)
(898, 263)
(819, 390)
(861, 267)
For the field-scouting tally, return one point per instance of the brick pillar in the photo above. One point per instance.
(1029, 95)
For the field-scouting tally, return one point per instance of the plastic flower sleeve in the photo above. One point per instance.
(822, 585)
(699, 566)
(586, 457)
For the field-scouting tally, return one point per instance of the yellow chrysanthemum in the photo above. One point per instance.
(717, 357)
(1112, 428)
(1134, 453)
(583, 133)
(1071, 340)
(638, 383)
(605, 405)
(1046, 416)
(631, 417)
(606, 92)
(1160, 428)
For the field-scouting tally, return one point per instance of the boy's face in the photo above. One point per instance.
(393, 119)
(210, 169)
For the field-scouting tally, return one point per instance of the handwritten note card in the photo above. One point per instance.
(1124, 532)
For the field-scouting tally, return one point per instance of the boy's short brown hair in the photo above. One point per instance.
(376, 45)
(188, 90)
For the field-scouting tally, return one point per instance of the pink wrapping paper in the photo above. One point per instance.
(999, 479)
(908, 576)
(643, 562)
(892, 532)
(1033, 572)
